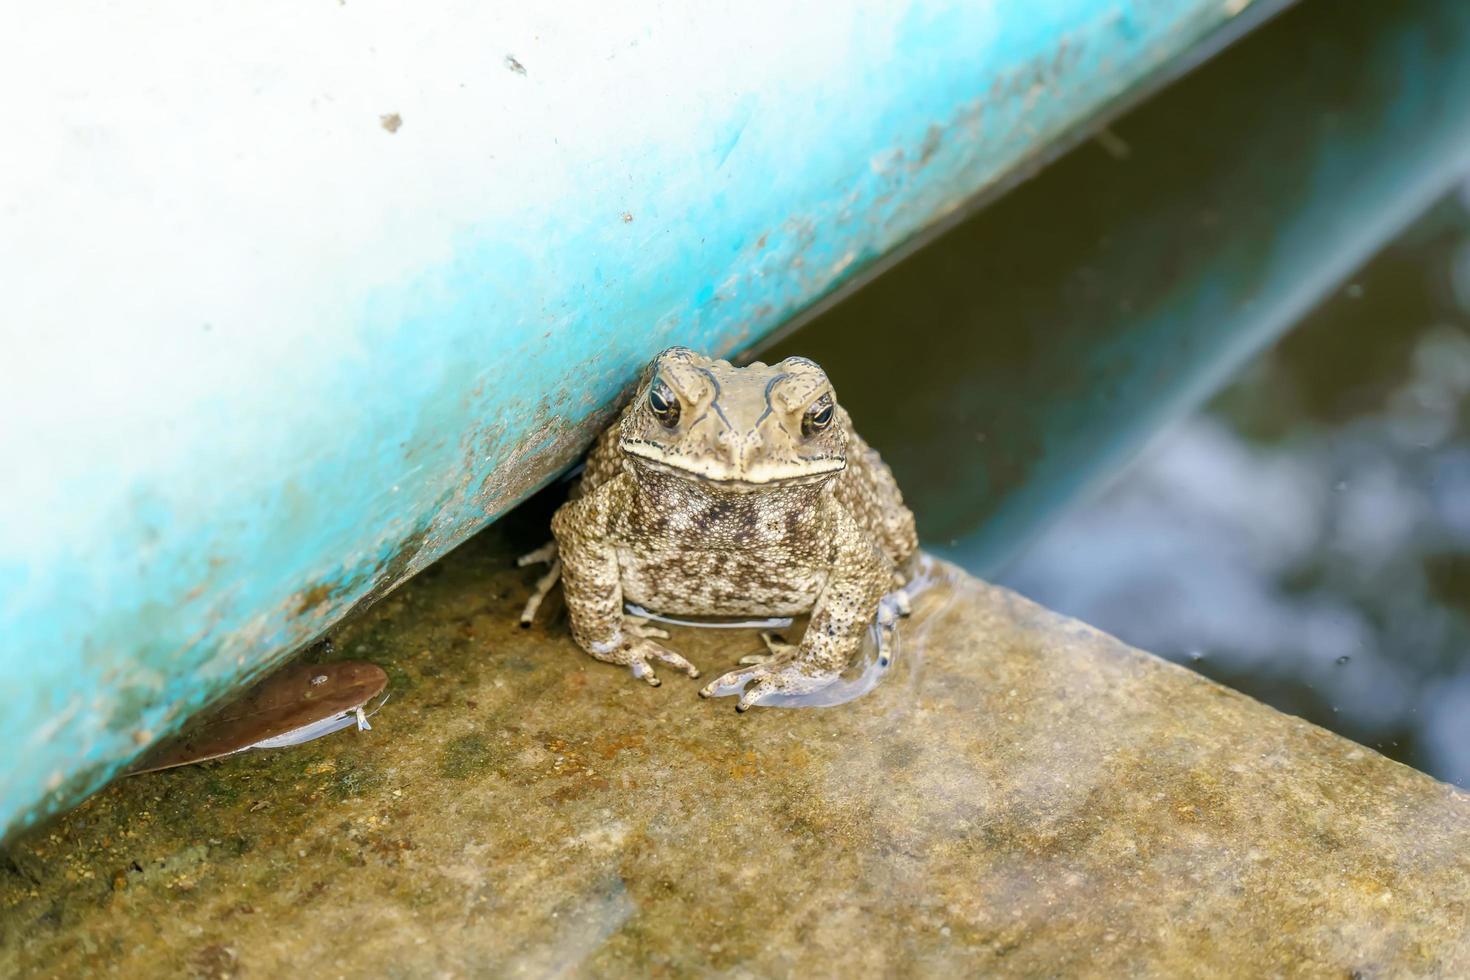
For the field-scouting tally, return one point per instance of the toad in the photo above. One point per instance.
(732, 491)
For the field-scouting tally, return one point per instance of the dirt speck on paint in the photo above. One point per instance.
(933, 140)
(310, 598)
(391, 121)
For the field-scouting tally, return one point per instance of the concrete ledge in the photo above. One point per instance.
(1025, 796)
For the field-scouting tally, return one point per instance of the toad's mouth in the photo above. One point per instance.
(763, 477)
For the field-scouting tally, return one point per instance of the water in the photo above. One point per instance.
(1305, 538)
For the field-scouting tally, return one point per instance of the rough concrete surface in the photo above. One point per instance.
(1021, 796)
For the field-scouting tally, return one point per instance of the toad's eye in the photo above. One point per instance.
(818, 417)
(664, 405)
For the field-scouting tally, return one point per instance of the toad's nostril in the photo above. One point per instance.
(731, 446)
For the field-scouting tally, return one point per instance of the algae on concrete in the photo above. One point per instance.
(1023, 795)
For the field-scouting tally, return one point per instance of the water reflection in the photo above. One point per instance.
(1306, 537)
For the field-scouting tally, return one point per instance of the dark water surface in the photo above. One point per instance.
(1306, 537)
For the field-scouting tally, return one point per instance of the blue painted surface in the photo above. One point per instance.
(296, 300)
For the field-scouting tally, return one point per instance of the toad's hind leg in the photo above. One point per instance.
(777, 646)
(898, 601)
(547, 553)
(892, 607)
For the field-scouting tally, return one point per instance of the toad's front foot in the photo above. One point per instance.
(779, 675)
(636, 649)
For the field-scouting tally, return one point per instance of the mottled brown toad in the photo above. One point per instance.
(733, 491)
